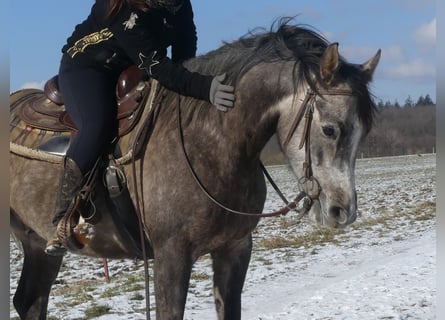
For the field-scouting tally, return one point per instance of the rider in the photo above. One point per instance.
(115, 35)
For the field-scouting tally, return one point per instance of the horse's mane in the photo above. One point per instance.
(284, 42)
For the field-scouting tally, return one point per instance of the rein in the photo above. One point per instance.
(309, 185)
(289, 206)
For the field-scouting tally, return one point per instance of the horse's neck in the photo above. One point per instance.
(234, 138)
(257, 107)
(242, 132)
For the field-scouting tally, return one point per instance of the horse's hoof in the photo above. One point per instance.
(55, 249)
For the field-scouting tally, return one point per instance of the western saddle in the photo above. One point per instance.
(47, 111)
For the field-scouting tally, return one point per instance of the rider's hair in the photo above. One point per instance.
(116, 5)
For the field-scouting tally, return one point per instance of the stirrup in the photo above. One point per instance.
(54, 247)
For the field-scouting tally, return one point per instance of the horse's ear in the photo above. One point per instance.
(329, 63)
(369, 66)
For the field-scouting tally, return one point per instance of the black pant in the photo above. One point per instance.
(90, 100)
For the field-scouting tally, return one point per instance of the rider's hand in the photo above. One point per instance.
(221, 96)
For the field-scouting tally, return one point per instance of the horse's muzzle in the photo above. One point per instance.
(340, 216)
(334, 215)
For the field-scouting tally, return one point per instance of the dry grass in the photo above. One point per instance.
(96, 311)
(420, 212)
(316, 237)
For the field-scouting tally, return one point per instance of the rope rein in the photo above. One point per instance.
(309, 185)
(289, 206)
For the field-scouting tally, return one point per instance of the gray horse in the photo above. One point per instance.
(282, 77)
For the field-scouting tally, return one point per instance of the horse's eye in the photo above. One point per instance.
(329, 131)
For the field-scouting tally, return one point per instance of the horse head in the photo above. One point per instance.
(293, 83)
(336, 114)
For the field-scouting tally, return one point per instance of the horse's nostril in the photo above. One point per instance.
(338, 214)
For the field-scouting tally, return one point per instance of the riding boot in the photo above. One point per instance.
(69, 185)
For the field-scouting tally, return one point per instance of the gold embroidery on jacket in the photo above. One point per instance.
(93, 38)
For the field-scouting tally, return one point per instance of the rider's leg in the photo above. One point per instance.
(89, 97)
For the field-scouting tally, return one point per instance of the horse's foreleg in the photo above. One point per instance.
(230, 267)
(172, 269)
(38, 274)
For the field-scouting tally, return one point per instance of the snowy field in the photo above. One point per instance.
(381, 267)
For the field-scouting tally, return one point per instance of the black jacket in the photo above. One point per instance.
(141, 38)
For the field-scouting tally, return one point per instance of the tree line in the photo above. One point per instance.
(409, 102)
(401, 130)
(398, 129)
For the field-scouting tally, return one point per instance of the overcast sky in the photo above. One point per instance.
(405, 30)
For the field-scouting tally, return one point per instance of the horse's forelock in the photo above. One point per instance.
(366, 108)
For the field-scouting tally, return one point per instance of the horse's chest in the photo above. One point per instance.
(226, 234)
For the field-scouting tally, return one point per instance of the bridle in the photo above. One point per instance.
(307, 109)
(309, 187)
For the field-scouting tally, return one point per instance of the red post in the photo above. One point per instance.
(107, 273)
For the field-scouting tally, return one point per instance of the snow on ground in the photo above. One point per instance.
(381, 267)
